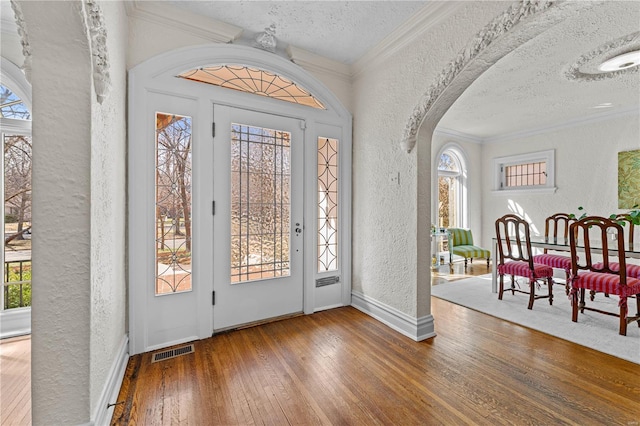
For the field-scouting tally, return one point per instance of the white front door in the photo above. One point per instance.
(258, 221)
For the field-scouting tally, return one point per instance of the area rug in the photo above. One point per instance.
(594, 330)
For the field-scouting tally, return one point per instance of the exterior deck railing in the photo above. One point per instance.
(17, 284)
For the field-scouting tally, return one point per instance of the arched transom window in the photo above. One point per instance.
(253, 80)
(11, 106)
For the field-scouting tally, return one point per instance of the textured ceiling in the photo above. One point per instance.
(338, 30)
(529, 88)
(532, 87)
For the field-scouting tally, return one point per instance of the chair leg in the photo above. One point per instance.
(638, 308)
(487, 263)
(532, 293)
(581, 305)
(465, 263)
(623, 316)
(501, 290)
(592, 295)
(550, 284)
(574, 306)
(567, 284)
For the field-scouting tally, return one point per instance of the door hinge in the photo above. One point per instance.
(213, 129)
(213, 208)
(213, 298)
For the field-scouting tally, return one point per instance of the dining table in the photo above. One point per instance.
(562, 245)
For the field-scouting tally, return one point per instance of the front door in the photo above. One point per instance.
(258, 238)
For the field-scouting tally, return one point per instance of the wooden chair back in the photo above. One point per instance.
(585, 230)
(628, 227)
(556, 228)
(514, 240)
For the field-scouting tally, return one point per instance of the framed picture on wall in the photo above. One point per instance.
(628, 179)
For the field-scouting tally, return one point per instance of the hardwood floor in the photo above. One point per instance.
(15, 381)
(445, 274)
(343, 367)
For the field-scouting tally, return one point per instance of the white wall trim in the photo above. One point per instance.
(415, 328)
(102, 415)
(461, 136)
(168, 16)
(529, 191)
(422, 21)
(15, 322)
(575, 122)
(318, 64)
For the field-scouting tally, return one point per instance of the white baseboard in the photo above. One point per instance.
(417, 329)
(102, 415)
(15, 322)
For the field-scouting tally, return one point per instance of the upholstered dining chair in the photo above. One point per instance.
(603, 276)
(515, 258)
(633, 271)
(556, 229)
(461, 244)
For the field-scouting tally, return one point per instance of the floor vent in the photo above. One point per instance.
(321, 282)
(172, 353)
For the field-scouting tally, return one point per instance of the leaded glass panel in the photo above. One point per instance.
(253, 80)
(327, 204)
(173, 203)
(260, 202)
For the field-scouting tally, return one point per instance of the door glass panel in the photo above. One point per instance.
(173, 203)
(327, 204)
(17, 221)
(260, 202)
(448, 188)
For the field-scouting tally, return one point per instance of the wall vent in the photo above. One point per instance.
(172, 353)
(321, 282)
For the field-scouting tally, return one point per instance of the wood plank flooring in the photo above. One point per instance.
(342, 367)
(15, 381)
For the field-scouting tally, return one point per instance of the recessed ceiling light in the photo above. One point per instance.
(621, 62)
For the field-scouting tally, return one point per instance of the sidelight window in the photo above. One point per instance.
(173, 203)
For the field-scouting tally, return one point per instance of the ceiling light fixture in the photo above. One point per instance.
(621, 62)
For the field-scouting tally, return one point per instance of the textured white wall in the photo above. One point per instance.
(384, 214)
(108, 208)
(61, 81)
(586, 172)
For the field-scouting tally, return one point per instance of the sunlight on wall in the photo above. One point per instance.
(516, 208)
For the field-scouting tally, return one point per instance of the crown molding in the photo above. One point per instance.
(168, 16)
(320, 64)
(575, 122)
(429, 16)
(466, 137)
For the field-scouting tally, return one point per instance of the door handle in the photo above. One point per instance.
(298, 230)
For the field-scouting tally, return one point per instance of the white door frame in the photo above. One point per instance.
(14, 322)
(158, 75)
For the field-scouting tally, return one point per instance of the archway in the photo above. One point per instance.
(520, 23)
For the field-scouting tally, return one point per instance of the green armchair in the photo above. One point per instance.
(461, 244)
